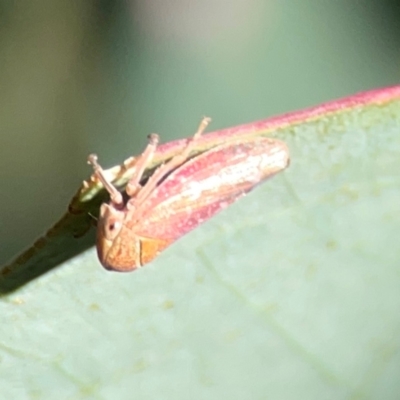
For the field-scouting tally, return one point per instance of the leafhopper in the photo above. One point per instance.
(180, 195)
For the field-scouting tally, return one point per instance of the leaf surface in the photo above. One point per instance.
(292, 292)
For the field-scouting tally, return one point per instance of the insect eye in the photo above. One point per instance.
(111, 229)
(114, 226)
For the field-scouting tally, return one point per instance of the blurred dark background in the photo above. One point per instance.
(98, 76)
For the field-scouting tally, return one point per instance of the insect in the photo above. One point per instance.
(181, 194)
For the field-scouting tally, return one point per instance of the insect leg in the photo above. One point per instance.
(144, 159)
(115, 196)
(173, 163)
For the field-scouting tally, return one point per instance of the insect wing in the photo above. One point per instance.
(206, 184)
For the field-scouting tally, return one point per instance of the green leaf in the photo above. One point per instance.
(290, 293)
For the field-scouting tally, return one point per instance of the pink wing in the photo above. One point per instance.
(206, 184)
